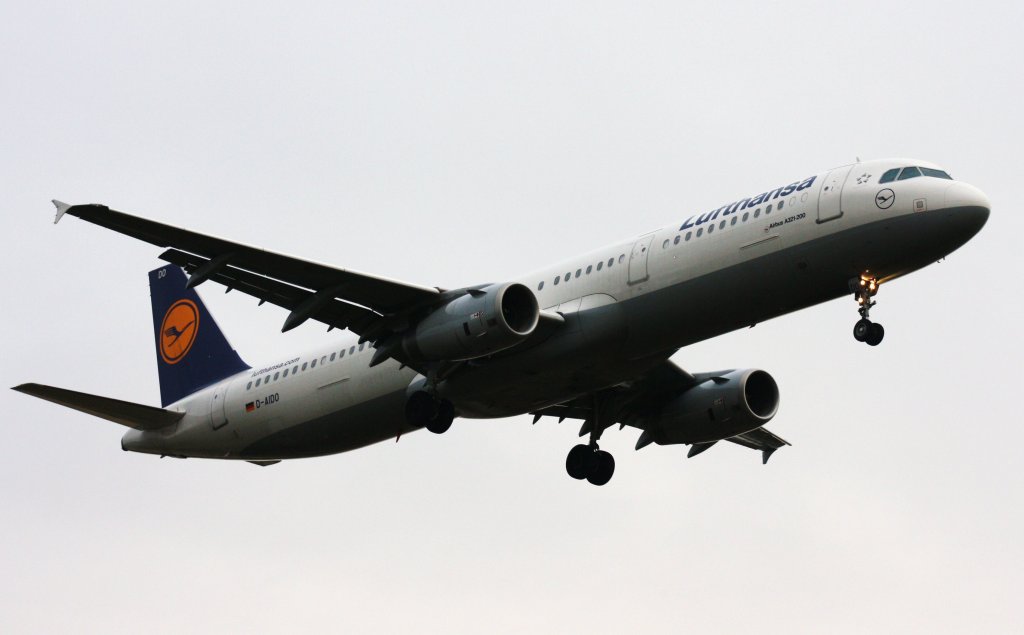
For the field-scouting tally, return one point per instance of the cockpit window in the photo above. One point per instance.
(909, 173)
(890, 175)
(939, 174)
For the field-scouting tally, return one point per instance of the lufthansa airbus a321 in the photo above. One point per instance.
(589, 338)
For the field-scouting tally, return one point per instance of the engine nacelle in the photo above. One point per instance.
(719, 408)
(475, 325)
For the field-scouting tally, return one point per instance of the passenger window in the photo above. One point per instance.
(589, 269)
(711, 228)
(295, 369)
(557, 278)
(276, 375)
(362, 345)
(939, 174)
(599, 265)
(746, 215)
(768, 210)
(568, 276)
(258, 381)
(781, 203)
(734, 219)
(312, 364)
(676, 241)
(611, 261)
(323, 360)
(688, 234)
(540, 286)
(757, 212)
(578, 272)
(248, 386)
(285, 373)
(351, 350)
(664, 245)
(909, 173)
(721, 225)
(341, 354)
(622, 258)
(332, 356)
(304, 364)
(890, 175)
(700, 232)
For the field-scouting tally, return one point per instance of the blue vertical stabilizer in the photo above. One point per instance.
(191, 351)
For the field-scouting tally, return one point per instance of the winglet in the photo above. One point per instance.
(61, 208)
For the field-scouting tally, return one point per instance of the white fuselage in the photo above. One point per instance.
(626, 305)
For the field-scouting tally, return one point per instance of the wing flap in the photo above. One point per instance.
(333, 311)
(126, 413)
(760, 439)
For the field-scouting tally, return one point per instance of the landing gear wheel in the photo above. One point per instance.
(443, 419)
(602, 472)
(580, 461)
(420, 409)
(861, 329)
(875, 334)
(424, 410)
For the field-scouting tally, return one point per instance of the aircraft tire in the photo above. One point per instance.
(603, 471)
(443, 419)
(420, 409)
(861, 330)
(875, 335)
(580, 461)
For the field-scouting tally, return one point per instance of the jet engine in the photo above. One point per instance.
(721, 406)
(480, 323)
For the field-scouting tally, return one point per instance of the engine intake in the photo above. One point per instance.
(720, 407)
(480, 323)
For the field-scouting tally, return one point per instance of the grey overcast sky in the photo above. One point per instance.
(453, 143)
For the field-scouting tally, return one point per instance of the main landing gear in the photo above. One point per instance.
(424, 410)
(865, 288)
(588, 461)
(591, 463)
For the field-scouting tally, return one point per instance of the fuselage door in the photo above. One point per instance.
(638, 259)
(830, 198)
(218, 411)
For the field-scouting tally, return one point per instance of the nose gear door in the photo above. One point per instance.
(831, 195)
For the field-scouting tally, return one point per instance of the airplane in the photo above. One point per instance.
(588, 339)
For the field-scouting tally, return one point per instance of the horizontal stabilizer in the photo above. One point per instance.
(126, 413)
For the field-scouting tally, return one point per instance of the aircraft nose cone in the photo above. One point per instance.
(971, 202)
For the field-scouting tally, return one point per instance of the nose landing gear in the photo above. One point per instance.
(865, 288)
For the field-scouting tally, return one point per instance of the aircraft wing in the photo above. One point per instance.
(636, 403)
(370, 306)
(378, 294)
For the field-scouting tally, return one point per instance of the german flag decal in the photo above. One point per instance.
(249, 407)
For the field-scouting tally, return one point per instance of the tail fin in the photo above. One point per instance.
(191, 351)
